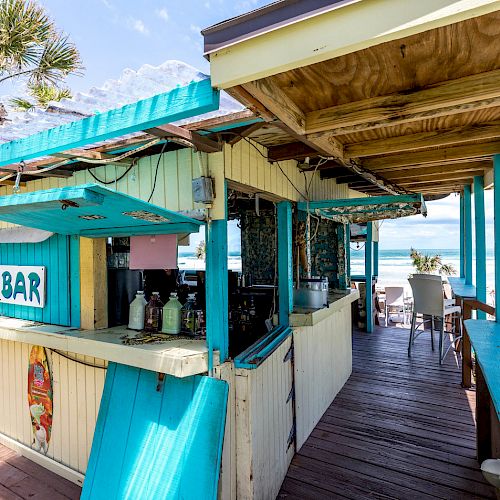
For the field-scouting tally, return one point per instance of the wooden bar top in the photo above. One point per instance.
(460, 289)
(178, 357)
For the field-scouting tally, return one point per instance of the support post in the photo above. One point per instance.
(462, 238)
(480, 223)
(369, 275)
(468, 234)
(93, 284)
(348, 252)
(217, 308)
(496, 193)
(285, 277)
(375, 258)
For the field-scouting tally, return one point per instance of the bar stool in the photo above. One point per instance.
(428, 300)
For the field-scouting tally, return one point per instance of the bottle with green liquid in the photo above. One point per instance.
(172, 316)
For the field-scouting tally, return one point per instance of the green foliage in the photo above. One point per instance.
(42, 94)
(430, 264)
(33, 49)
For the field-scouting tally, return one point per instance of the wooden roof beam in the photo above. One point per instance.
(447, 98)
(435, 156)
(435, 138)
(291, 151)
(272, 97)
(246, 132)
(425, 179)
(438, 170)
(199, 142)
(181, 102)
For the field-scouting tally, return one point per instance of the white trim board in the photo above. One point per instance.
(338, 32)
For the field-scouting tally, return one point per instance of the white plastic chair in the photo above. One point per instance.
(394, 302)
(428, 299)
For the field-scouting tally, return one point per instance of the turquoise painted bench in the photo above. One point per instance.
(157, 439)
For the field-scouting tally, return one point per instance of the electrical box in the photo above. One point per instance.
(203, 190)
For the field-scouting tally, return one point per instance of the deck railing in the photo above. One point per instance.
(469, 305)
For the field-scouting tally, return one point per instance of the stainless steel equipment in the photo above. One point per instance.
(312, 293)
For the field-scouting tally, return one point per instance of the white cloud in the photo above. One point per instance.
(139, 26)
(163, 14)
(195, 29)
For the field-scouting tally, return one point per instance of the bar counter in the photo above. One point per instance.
(177, 357)
(336, 302)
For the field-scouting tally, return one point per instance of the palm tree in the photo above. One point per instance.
(33, 50)
(429, 264)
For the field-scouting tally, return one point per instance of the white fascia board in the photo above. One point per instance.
(341, 31)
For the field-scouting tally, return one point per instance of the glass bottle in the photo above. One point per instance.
(153, 313)
(188, 316)
(172, 316)
(137, 312)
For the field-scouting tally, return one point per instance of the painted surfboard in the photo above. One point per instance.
(40, 398)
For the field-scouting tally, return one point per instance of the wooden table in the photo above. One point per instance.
(462, 292)
(485, 338)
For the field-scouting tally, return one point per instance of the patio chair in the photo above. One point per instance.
(428, 300)
(395, 302)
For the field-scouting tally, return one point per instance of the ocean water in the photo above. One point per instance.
(394, 265)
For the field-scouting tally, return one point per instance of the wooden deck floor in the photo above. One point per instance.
(400, 428)
(22, 479)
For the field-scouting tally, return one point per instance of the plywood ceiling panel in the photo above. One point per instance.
(446, 53)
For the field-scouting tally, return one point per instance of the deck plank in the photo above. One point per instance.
(400, 428)
(22, 478)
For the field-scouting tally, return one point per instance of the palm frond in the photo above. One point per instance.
(22, 104)
(31, 47)
(448, 270)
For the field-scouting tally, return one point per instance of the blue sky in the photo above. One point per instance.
(116, 34)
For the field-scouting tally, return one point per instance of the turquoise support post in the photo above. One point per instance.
(285, 281)
(369, 275)
(348, 252)
(462, 239)
(480, 241)
(468, 234)
(375, 258)
(496, 193)
(217, 298)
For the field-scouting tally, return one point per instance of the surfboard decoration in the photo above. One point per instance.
(40, 398)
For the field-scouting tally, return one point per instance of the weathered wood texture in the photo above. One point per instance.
(322, 365)
(247, 168)
(264, 420)
(22, 479)
(400, 428)
(93, 284)
(77, 395)
(227, 481)
(428, 98)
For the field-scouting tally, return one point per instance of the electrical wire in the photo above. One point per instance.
(156, 171)
(114, 159)
(79, 361)
(246, 139)
(106, 183)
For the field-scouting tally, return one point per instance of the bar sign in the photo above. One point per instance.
(22, 285)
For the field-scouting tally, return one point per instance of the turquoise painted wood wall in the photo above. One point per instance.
(60, 254)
